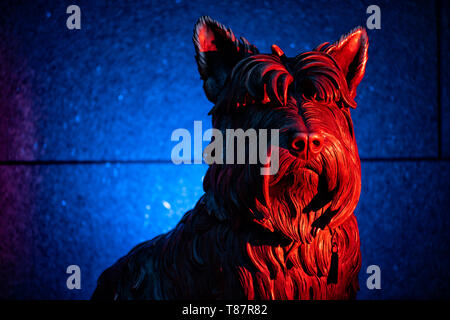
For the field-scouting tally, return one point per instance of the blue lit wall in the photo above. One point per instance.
(86, 118)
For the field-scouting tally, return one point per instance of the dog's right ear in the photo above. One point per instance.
(218, 51)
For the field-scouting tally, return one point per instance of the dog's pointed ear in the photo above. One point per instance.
(350, 53)
(217, 52)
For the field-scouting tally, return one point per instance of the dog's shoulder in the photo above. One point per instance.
(124, 279)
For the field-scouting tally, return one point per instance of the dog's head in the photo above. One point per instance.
(308, 99)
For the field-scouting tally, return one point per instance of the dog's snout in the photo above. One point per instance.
(307, 145)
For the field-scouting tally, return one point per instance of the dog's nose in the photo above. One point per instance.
(315, 142)
(307, 145)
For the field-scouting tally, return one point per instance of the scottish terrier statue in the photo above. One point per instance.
(289, 235)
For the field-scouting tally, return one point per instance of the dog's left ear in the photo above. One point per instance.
(350, 53)
(218, 51)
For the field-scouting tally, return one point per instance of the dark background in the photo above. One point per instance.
(86, 118)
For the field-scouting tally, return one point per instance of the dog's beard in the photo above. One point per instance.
(301, 199)
(287, 194)
(307, 196)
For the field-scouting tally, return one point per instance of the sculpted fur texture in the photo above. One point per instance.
(290, 235)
